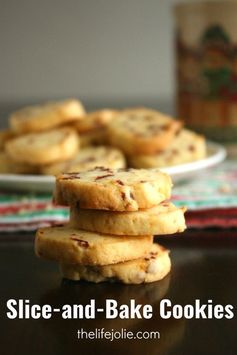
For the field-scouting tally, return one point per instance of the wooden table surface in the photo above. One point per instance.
(204, 266)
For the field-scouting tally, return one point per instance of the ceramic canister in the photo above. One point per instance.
(206, 67)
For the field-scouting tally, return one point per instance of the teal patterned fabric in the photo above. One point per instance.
(213, 188)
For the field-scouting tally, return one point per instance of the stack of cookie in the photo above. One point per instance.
(114, 215)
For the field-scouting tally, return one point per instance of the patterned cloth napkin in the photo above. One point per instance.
(211, 200)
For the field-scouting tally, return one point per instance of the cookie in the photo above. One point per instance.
(89, 158)
(186, 147)
(94, 137)
(154, 266)
(46, 116)
(73, 246)
(92, 128)
(43, 148)
(164, 218)
(95, 120)
(7, 166)
(142, 131)
(5, 135)
(116, 190)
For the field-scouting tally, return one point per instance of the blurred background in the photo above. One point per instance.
(105, 52)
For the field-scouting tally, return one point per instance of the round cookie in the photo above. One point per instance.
(5, 135)
(89, 158)
(74, 246)
(154, 266)
(94, 137)
(7, 166)
(186, 147)
(142, 131)
(43, 148)
(162, 219)
(116, 190)
(92, 128)
(95, 120)
(46, 116)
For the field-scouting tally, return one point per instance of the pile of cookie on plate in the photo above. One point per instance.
(61, 136)
(114, 214)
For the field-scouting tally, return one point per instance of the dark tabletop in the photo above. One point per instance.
(204, 266)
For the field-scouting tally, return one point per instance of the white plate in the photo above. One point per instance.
(215, 154)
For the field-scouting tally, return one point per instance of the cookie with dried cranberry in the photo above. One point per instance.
(73, 246)
(186, 147)
(46, 116)
(43, 148)
(142, 131)
(110, 189)
(5, 135)
(93, 138)
(92, 128)
(154, 266)
(8, 166)
(162, 219)
(95, 120)
(89, 158)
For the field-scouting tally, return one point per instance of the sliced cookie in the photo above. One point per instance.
(154, 266)
(94, 137)
(46, 116)
(5, 135)
(116, 190)
(162, 219)
(89, 158)
(8, 166)
(186, 147)
(92, 128)
(5, 165)
(43, 148)
(95, 120)
(142, 131)
(73, 246)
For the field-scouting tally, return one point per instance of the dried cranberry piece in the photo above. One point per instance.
(80, 242)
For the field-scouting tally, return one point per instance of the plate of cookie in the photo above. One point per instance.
(45, 140)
